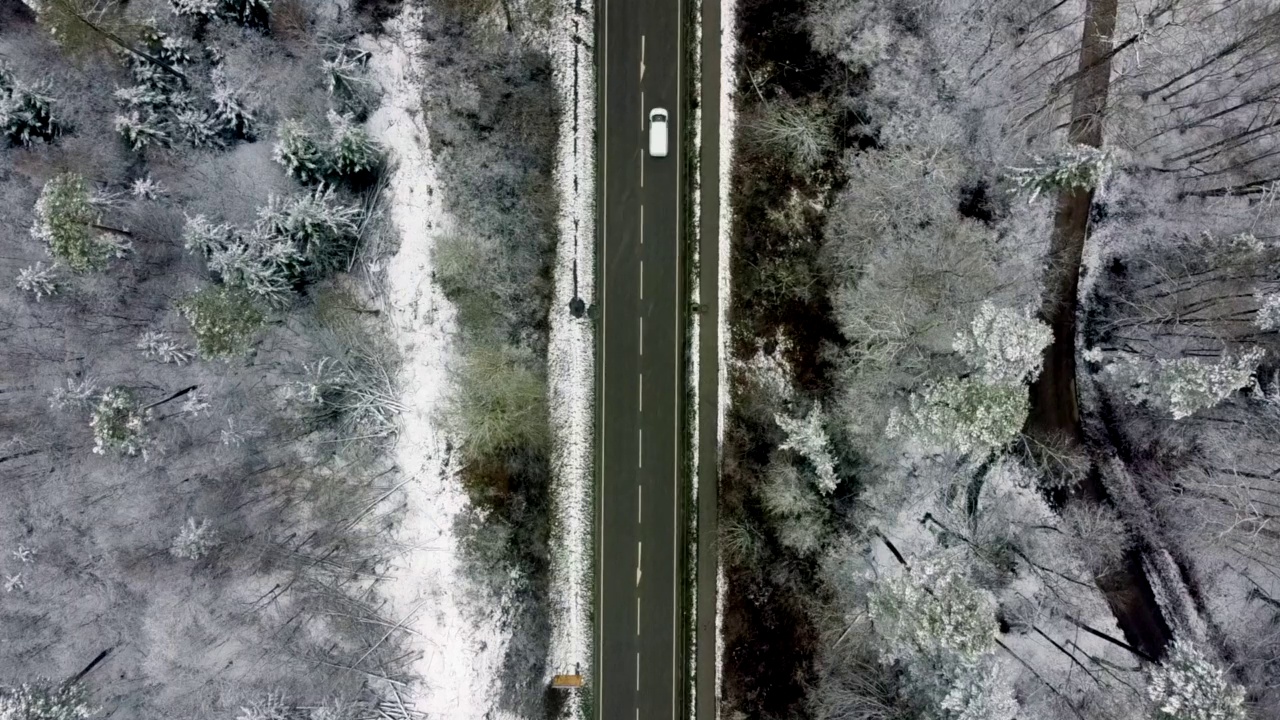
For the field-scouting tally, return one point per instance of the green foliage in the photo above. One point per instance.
(44, 700)
(89, 27)
(65, 222)
(119, 424)
(499, 403)
(224, 320)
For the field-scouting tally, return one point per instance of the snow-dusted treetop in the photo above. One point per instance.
(964, 415)
(807, 438)
(1183, 386)
(1188, 686)
(1004, 345)
(932, 611)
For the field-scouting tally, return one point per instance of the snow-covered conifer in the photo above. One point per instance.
(38, 280)
(320, 229)
(1077, 167)
(26, 111)
(246, 12)
(141, 130)
(978, 692)
(1268, 317)
(194, 540)
(1005, 346)
(1188, 686)
(351, 152)
(223, 320)
(74, 395)
(144, 188)
(932, 611)
(299, 153)
(119, 424)
(159, 346)
(808, 439)
(202, 236)
(68, 223)
(230, 108)
(196, 127)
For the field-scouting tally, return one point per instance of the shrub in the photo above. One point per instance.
(499, 402)
(68, 223)
(45, 700)
(119, 424)
(224, 321)
(802, 133)
(26, 111)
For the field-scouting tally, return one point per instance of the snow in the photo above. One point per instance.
(728, 125)
(458, 639)
(571, 355)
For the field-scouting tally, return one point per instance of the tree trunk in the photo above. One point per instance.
(1055, 406)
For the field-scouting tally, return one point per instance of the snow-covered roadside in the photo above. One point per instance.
(571, 355)
(728, 126)
(458, 639)
(694, 365)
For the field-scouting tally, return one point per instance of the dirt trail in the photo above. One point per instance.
(1055, 409)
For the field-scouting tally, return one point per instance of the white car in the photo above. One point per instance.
(658, 132)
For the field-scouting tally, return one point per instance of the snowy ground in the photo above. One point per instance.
(571, 355)
(459, 638)
(728, 125)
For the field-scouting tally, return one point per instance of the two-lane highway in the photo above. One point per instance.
(639, 526)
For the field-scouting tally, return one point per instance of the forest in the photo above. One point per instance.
(1003, 378)
(274, 435)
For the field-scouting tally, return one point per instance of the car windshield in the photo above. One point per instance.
(659, 118)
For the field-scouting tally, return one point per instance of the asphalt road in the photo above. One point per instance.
(639, 525)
